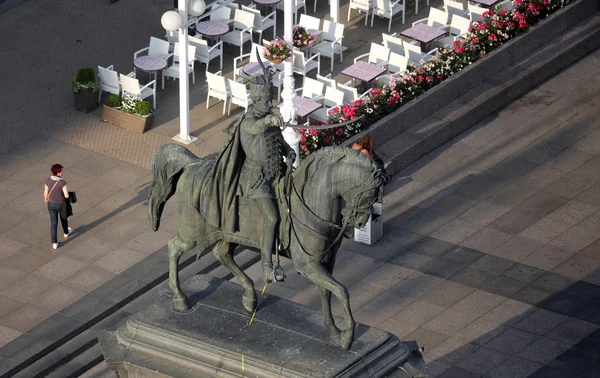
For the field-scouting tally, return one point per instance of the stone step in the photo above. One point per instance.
(491, 96)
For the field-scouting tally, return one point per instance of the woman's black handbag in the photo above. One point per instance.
(73, 197)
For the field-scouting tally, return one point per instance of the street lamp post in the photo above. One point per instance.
(288, 109)
(173, 21)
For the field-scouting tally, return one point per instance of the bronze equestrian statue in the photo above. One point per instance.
(222, 200)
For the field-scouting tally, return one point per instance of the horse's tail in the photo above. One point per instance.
(167, 165)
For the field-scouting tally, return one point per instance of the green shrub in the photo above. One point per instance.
(114, 101)
(143, 108)
(86, 78)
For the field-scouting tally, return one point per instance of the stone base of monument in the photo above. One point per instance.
(213, 339)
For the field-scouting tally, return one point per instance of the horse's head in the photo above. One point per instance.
(361, 197)
(347, 174)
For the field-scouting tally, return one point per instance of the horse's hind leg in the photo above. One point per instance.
(223, 251)
(177, 246)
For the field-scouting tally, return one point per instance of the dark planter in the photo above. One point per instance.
(127, 121)
(86, 100)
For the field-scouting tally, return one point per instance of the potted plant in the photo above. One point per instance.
(302, 37)
(85, 88)
(129, 113)
(277, 51)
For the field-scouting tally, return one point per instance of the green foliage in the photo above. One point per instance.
(114, 101)
(86, 78)
(143, 108)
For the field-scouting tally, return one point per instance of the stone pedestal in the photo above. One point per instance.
(214, 340)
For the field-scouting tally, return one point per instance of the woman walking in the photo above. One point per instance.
(55, 192)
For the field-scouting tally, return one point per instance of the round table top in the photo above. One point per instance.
(267, 2)
(150, 63)
(212, 28)
(254, 68)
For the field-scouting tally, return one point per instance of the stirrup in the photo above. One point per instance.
(278, 273)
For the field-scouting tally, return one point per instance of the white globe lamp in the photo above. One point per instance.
(196, 7)
(171, 21)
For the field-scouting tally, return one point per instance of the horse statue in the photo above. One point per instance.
(313, 216)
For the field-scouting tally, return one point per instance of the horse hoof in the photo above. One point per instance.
(181, 305)
(249, 303)
(346, 339)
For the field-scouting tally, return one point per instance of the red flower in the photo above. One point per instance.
(302, 139)
(493, 37)
(475, 40)
(456, 43)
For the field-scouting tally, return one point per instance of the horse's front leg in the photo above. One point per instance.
(317, 273)
(177, 246)
(334, 331)
(223, 251)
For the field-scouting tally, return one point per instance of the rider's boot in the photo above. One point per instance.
(267, 265)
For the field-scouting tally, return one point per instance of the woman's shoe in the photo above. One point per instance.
(67, 235)
(54, 245)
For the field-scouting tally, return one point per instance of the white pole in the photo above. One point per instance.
(288, 109)
(334, 10)
(184, 81)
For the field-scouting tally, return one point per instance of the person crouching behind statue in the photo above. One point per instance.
(265, 148)
(364, 144)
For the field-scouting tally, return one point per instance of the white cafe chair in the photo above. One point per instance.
(173, 70)
(131, 86)
(217, 88)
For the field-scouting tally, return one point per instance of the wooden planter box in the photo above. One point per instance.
(127, 121)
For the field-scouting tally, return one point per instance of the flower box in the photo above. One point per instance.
(127, 121)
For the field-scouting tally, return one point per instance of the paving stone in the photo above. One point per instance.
(572, 185)
(545, 230)
(419, 312)
(426, 338)
(516, 249)
(123, 175)
(541, 322)
(552, 282)
(119, 259)
(426, 222)
(543, 203)
(540, 177)
(444, 267)
(150, 241)
(576, 238)
(511, 168)
(486, 239)
(482, 186)
(503, 286)
(451, 351)
(483, 360)
(512, 195)
(493, 264)
(416, 285)
(539, 151)
(27, 288)
(514, 221)
(591, 195)
(573, 212)
(434, 368)
(514, 367)
(448, 293)
(572, 331)
(95, 165)
(431, 247)
(89, 278)
(57, 298)
(532, 295)
(455, 372)
(454, 204)
(91, 250)
(25, 317)
(481, 331)
(547, 258)
(524, 273)
(512, 341)
(387, 275)
(577, 266)
(59, 269)
(32, 175)
(484, 213)
(568, 159)
(10, 218)
(544, 350)
(411, 260)
(360, 294)
(30, 229)
(7, 335)
(355, 268)
(473, 277)
(398, 214)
